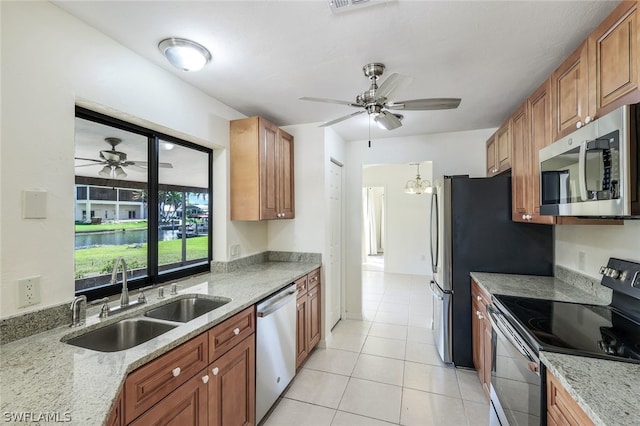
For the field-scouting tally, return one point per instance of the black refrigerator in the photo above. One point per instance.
(472, 230)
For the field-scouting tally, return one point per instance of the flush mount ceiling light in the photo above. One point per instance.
(418, 186)
(184, 54)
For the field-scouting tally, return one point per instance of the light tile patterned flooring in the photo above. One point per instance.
(383, 370)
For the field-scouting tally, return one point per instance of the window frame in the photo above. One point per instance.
(153, 141)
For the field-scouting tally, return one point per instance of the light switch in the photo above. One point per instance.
(34, 204)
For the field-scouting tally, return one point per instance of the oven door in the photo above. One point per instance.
(516, 390)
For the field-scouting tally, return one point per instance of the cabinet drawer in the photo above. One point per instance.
(301, 285)
(229, 333)
(157, 379)
(313, 279)
(480, 295)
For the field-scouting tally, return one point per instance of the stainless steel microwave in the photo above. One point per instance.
(594, 170)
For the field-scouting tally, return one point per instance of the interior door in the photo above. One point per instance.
(336, 290)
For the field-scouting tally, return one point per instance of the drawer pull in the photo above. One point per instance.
(215, 371)
(236, 331)
(205, 379)
(478, 298)
(176, 371)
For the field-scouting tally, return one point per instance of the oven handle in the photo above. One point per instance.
(582, 171)
(506, 331)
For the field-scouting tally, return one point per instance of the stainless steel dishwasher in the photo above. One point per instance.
(276, 347)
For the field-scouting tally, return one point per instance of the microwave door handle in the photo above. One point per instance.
(582, 171)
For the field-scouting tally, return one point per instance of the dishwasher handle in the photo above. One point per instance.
(268, 308)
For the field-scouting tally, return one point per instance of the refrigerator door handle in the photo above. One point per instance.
(435, 293)
(435, 237)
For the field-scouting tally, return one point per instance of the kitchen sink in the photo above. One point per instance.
(186, 309)
(121, 335)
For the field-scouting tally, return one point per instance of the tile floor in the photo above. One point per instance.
(383, 370)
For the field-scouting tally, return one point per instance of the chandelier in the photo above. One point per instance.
(418, 186)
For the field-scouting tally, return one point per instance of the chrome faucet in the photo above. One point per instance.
(76, 309)
(124, 297)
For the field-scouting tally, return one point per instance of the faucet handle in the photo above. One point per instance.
(104, 310)
(174, 288)
(141, 297)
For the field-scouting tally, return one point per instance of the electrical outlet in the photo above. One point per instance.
(28, 291)
(234, 251)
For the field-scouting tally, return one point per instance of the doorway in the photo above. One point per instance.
(336, 290)
(374, 206)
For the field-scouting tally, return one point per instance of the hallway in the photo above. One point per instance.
(383, 370)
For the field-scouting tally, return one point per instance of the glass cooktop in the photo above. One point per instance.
(576, 328)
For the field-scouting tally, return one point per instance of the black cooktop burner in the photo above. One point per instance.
(576, 328)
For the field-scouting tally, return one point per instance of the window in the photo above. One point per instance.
(118, 182)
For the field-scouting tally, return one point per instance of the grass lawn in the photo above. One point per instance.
(110, 226)
(92, 261)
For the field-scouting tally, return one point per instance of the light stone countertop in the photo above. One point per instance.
(41, 376)
(538, 288)
(606, 390)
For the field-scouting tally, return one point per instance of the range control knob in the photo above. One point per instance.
(613, 273)
(603, 270)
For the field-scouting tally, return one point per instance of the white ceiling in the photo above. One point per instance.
(267, 54)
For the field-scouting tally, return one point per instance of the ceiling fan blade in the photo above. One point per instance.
(393, 82)
(134, 166)
(90, 164)
(88, 159)
(425, 104)
(338, 120)
(388, 120)
(144, 164)
(330, 101)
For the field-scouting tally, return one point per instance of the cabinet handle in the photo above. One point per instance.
(479, 315)
(578, 124)
(587, 119)
(236, 331)
(205, 379)
(176, 372)
(478, 298)
(215, 371)
(298, 305)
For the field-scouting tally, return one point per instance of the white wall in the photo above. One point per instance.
(598, 243)
(450, 153)
(50, 62)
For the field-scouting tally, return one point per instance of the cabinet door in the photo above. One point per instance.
(570, 93)
(503, 148)
(301, 330)
(476, 332)
(521, 160)
(562, 409)
(616, 64)
(539, 106)
(492, 168)
(268, 170)
(313, 319)
(487, 355)
(186, 406)
(232, 386)
(286, 205)
(115, 417)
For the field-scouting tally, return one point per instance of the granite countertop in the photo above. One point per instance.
(41, 376)
(606, 390)
(538, 287)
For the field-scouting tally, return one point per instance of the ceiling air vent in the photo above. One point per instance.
(339, 6)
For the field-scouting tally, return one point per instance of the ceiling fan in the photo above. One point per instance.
(375, 101)
(114, 161)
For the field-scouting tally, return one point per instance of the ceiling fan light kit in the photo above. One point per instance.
(375, 101)
(184, 54)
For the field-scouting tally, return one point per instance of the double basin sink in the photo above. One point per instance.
(130, 332)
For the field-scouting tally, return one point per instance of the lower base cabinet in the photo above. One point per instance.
(209, 380)
(308, 315)
(562, 409)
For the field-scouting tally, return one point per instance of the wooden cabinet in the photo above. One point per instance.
(262, 177)
(232, 386)
(481, 336)
(521, 164)
(308, 324)
(615, 59)
(570, 85)
(116, 417)
(562, 409)
(499, 151)
(209, 380)
(185, 406)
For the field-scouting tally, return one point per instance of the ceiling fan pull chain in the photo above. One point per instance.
(369, 131)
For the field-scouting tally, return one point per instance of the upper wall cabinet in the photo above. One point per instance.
(499, 151)
(570, 94)
(615, 60)
(262, 183)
